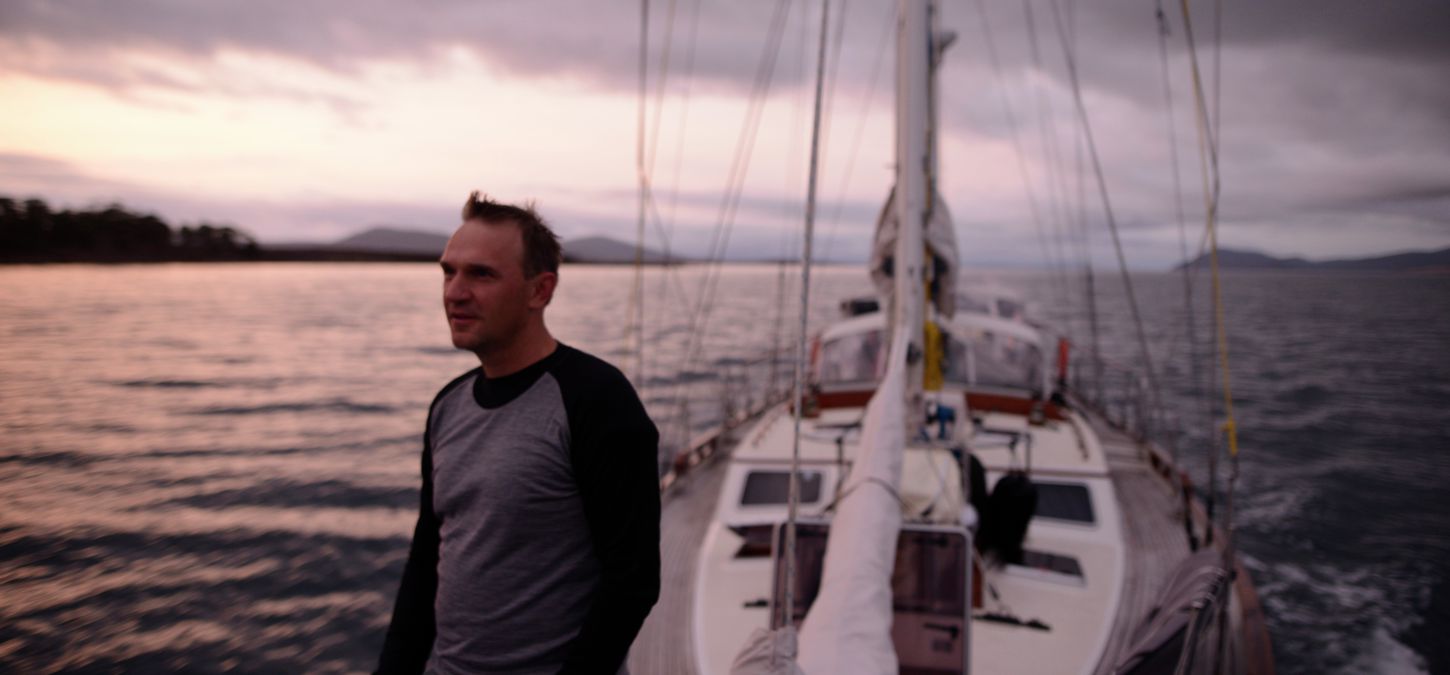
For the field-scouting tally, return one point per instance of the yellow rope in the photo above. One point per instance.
(1210, 198)
(1229, 426)
(932, 375)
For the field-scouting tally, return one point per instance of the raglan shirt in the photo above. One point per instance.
(537, 543)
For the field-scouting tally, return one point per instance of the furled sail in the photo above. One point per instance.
(941, 243)
(848, 628)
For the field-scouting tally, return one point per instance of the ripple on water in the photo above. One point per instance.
(302, 494)
(336, 405)
(134, 601)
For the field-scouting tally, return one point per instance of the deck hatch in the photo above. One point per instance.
(1065, 501)
(773, 488)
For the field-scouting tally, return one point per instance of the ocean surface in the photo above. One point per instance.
(211, 468)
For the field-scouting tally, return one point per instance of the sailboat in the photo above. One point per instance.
(933, 502)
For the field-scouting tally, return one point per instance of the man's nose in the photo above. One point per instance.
(453, 290)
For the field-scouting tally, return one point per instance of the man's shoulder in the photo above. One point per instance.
(597, 396)
(575, 368)
(454, 385)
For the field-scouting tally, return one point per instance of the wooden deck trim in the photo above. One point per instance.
(977, 401)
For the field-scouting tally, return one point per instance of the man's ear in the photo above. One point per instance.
(543, 289)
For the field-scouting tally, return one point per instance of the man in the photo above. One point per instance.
(537, 544)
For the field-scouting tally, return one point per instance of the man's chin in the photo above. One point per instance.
(467, 343)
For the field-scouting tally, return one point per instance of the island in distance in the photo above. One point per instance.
(31, 231)
(391, 241)
(1415, 261)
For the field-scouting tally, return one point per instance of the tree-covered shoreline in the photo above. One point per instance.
(32, 232)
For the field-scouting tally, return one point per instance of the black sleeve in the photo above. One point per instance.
(614, 448)
(410, 636)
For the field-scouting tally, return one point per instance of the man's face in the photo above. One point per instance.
(487, 300)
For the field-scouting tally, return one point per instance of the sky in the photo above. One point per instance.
(304, 120)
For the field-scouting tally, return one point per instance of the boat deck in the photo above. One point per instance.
(665, 645)
(1153, 534)
(1152, 529)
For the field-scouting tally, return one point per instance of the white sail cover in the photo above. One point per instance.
(768, 652)
(848, 628)
(941, 240)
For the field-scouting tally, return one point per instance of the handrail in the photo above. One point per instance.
(745, 392)
(1121, 394)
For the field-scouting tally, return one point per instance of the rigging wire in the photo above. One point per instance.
(648, 210)
(735, 180)
(1190, 333)
(1078, 226)
(833, 67)
(636, 293)
(1217, 71)
(1076, 223)
(1078, 211)
(1051, 157)
(1208, 139)
(1108, 211)
(793, 159)
(887, 24)
(1011, 117)
(684, 108)
(1080, 199)
(800, 365)
(1189, 328)
(664, 77)
(1233, 441)
(649, 164)
(670, 272)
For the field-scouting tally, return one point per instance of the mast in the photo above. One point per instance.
(914, 167)
(848, 628)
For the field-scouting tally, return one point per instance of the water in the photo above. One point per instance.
(214, 467)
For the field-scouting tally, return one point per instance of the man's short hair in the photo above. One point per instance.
(541, 245)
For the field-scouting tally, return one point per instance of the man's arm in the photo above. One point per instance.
(410, 636)
(616, 465)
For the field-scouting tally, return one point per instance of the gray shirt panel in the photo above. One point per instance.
(516, 566)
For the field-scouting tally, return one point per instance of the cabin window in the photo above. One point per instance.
(855, 357)
(769, 488)
(1004, 361)
(958, 366)
(1064, 501)
(967, 303)
(1052, 562)
(1008, 309)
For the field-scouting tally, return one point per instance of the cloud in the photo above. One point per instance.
(65, 185)
(592, 41)
(1332, 115)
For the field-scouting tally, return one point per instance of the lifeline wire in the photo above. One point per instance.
(795, 456)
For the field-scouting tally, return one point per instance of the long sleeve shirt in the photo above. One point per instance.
(537, 543)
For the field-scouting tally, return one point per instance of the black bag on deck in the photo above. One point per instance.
(1009, 510)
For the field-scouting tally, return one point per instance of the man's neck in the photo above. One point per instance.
(524, 352)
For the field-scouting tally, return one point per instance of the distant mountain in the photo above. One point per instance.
(418, 242)
(606, 250)
(1231, 259)
(391, 240)
(1417, 260)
